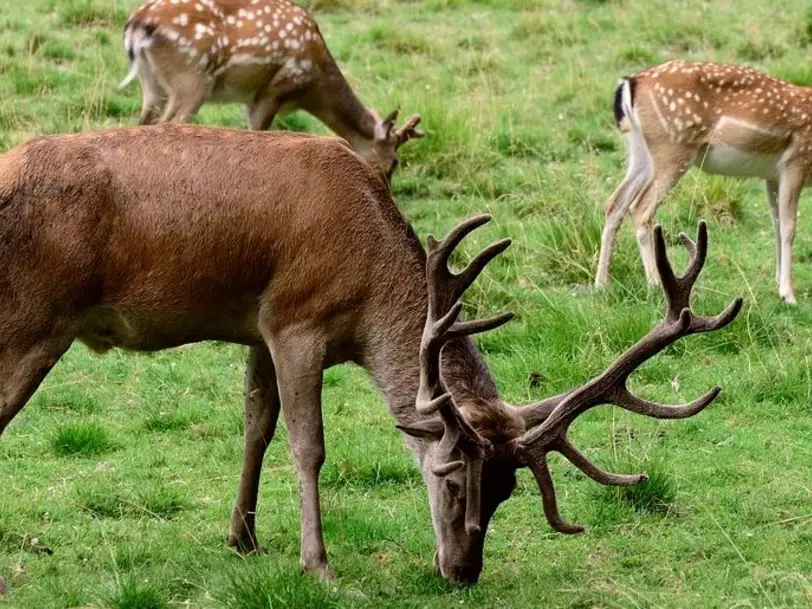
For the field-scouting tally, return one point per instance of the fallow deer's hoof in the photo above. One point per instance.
(789, 298)
(322, 571)
(243, 544)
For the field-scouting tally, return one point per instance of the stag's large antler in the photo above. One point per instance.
(444, 291)
(610, 387)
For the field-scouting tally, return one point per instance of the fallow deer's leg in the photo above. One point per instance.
(153, 95)
(269, 99)
(262, 112)
(187, 92)
(618, 204)
(298, 355)
(666, 173)
(771, 187)
(790, 184)
(261, 415)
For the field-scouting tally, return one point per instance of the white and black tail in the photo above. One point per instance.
(138, 37)
(624, 103)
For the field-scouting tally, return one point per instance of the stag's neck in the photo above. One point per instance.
(341, 110)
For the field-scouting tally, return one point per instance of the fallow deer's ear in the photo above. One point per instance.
(430, 429)
(384, 128)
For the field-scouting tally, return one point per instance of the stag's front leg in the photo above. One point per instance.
(299, 355)
(261, 415)
(30, 344)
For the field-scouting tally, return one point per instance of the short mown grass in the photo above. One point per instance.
(126, 466)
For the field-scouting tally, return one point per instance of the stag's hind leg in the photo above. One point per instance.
(298, 354)
(261, 415)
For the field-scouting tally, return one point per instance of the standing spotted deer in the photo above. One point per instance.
(725, 119)
(266, 54)
(291, 244)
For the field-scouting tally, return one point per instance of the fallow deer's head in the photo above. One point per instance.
(383, 151)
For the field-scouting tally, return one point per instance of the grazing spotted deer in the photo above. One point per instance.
(266, 54)
(725, 119)
(290, 244)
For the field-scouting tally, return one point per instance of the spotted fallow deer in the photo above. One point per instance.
(291, 244)
(725, 119)
(266, 54)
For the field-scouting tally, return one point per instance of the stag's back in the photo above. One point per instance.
(171, 234)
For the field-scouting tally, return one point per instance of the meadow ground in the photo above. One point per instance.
(126, 465)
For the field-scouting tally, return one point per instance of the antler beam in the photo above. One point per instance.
(444, 291)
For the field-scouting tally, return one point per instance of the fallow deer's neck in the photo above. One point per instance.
(342, 111)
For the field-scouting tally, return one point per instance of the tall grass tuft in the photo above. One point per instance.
(88, 440)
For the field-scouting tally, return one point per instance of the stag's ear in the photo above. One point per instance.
(430, 429)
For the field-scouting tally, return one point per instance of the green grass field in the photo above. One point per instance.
(126, 465)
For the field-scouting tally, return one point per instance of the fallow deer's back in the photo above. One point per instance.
(706, 103)
(233, 40)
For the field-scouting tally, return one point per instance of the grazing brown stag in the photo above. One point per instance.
(291, 245)
(725, 119)
(266, 54)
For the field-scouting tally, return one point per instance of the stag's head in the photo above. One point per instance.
(469, 461)
(382, 151)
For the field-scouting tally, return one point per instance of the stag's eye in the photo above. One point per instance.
(453, 488)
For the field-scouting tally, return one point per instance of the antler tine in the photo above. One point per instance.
(457, 234)
(476, 326)
(541, 472)
(610, 387)
(391, 117)
(582, 462)
(698, 251)
(626, 400)
(454, 285)
(678, 289)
